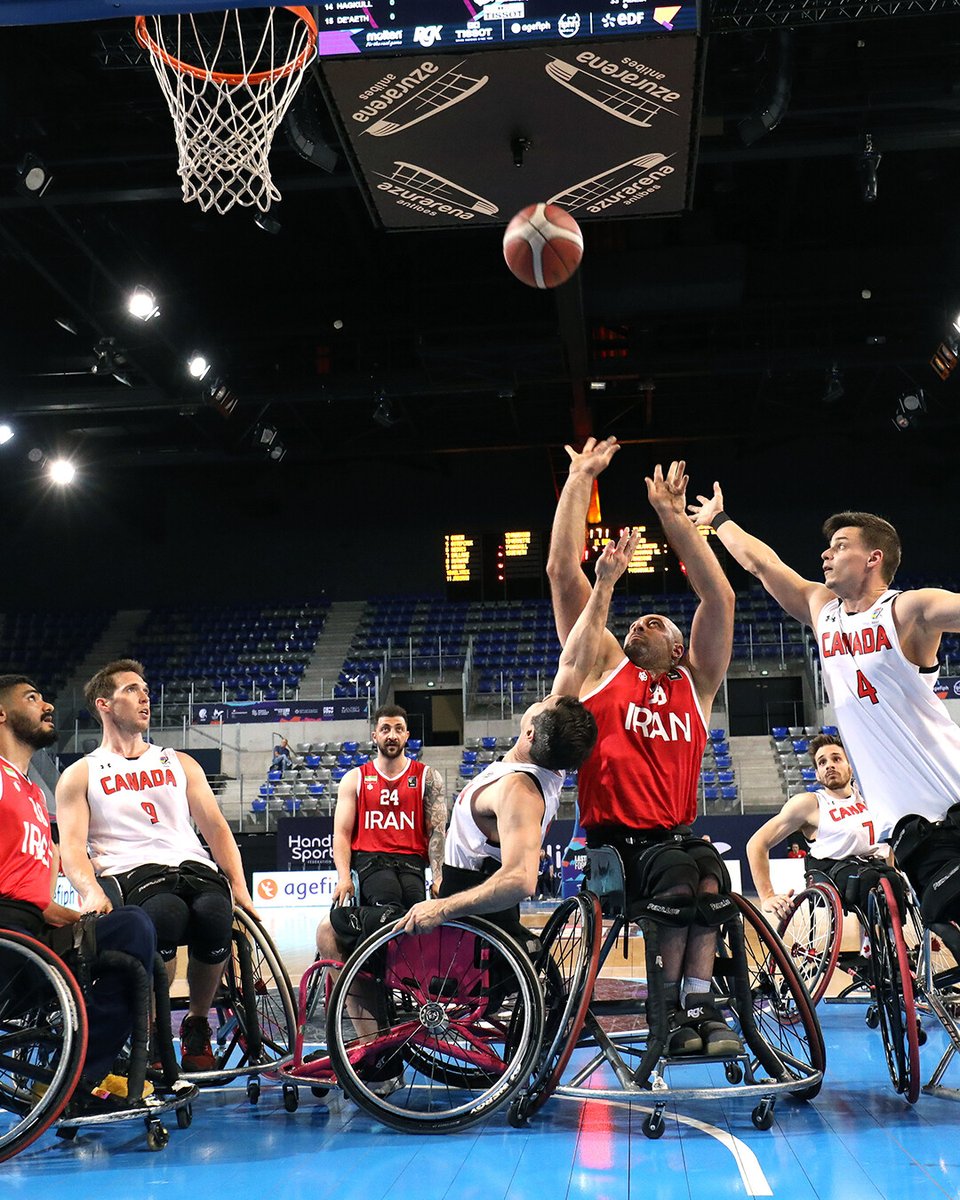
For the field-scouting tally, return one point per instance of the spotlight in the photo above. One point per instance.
(6, 434)
(62, 471)
(266, 435)
(833, 389)
(108, 360)
(909, 407)
(66, 325)
(33, 176)
(142, 304)
(869, 165)
(267, 224)
(36, 455)
(221, 398)
(383, 414)
(277, 452)
(770, 111)
(198, 366)
(598, 385)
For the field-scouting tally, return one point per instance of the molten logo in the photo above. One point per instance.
(267, 889)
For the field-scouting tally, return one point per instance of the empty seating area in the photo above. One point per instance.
(477, 754)
(794, 761)
(718, 777)
(49, 645)
(307, 785)
(214, 654)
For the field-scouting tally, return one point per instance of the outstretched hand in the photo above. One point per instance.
(668, 493)
(777, 905)
(704, 512)
(616, 556)
(593, 458)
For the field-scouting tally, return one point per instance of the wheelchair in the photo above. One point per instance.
(43, 1043)
(254, 1006)
(451, 1021)
(755, 983)
(911, 970)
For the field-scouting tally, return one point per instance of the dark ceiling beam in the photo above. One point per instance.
(887, 139)
(731, 16)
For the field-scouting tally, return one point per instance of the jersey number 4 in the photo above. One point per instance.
(865, 689)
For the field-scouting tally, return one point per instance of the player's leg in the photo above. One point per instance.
(209, 939)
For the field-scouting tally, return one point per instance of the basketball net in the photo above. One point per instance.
(228, 79)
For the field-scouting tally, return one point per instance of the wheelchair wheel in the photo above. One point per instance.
(812, 932)
(43, 1039)
(255, 1005)
(461, 1003)
(568, 970)
(893, 980)
(782, 1010)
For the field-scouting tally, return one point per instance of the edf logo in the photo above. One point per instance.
(426, 35)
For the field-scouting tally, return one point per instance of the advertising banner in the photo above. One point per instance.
(271, 711)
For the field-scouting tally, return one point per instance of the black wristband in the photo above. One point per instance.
(719, 519)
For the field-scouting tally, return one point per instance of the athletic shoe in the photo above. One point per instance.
(682, 1037)
(719, 1040)
(196, 1053)
(386, 1087)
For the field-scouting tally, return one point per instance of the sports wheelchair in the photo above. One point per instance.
(429, 1033)
(911, 969)
(43, 1043)
(755, 984)
(254, 1006)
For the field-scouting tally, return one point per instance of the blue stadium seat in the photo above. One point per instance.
(831, 730)
(724, 762)
(709, 777)
(801, 746)
(259, 805)
(725, 777)
(717, 735)
(488, 743)
(779, 733)
(808, 774)
(729, 792)
(711, 793)
(414, 744)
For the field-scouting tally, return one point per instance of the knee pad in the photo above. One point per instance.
(210, 932)
(352, 925)
(713, 910)
(940, 900)
(676, 911)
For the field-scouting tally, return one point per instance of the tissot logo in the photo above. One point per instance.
(426, 35)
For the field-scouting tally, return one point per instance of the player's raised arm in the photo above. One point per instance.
(578, 661)
(569, 588)
(711, 633)
(801, 598)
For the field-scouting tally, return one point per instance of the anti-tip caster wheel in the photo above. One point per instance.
(654, 1126)
(733, 1072)
(185, 1116)
(253, 1090)
(517, 1113)
(291, 1097)
(762, 1115)
(157, 1136)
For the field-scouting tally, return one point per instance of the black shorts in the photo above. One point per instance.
(855, 877)
(398, 879)
(631, 844)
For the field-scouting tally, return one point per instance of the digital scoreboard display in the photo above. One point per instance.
(350, 27)
(461, 558)
(649, 554)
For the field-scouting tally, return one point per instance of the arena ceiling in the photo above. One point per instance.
(782, 301)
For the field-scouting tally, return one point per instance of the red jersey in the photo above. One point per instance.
(390, 812)
(26, 848)
(644, 770)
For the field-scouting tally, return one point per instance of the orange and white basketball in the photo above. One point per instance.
(543, 245)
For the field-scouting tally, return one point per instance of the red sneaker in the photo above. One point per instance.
(196, 1053)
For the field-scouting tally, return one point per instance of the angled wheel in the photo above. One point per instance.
(812, 932)
(255, 1005)
(431, 1032)
(782, 1012)
(568, 970)
(43, 1039)
(893, 982)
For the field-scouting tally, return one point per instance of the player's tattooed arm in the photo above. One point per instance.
(435, 820)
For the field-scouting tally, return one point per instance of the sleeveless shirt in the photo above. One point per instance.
(466, 845)
(389, 816)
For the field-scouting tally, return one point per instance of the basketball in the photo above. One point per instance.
(543, 245)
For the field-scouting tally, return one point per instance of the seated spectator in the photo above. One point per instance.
(282, 756)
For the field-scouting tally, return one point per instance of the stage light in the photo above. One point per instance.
(220, 397)
(383, 414)
(944, 359)
(198, 366)
(277, 451)
(142, 304)
(869, 165)
(62, 471)
(33, 176)
(267, 435)
(6, 434)
(909, 407)
(598, 385)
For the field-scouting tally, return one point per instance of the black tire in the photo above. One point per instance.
(894, 990)
(812, 932)
(256, 1003)
(654, 1126)
(567, 967)
(184, 1118)
(762, 1115)
(782, 1010)
(465, 995)
(43, 1039)
(291, 1097)
(157, 1136)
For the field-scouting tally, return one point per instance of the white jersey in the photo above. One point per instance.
(898, 736)
(139, 812)
(466, 844)
(845, 827)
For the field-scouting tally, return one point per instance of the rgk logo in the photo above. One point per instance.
(426, 35)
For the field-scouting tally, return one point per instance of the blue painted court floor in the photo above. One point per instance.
(856, 1139)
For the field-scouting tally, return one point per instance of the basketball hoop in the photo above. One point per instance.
(228, 79)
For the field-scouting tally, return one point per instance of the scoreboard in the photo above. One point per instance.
(511, 564)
